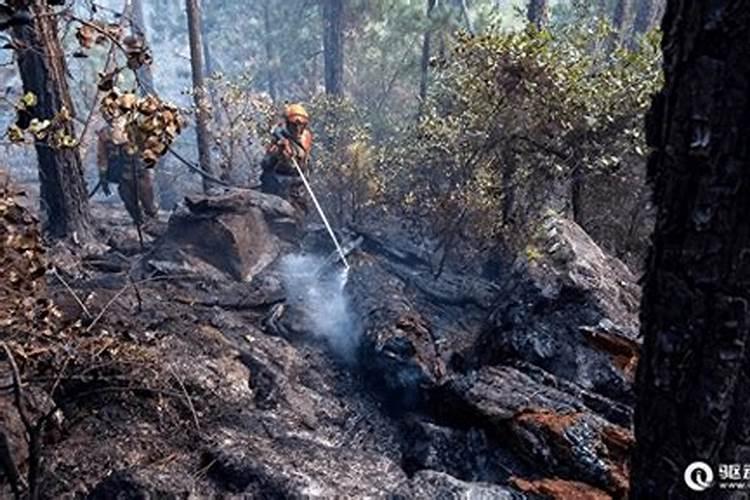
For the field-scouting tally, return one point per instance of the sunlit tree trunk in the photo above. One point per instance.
(199, 88)
(208, 61)
(145, 75)
(333, 46)
(426, 54)
(620, 18)
(537, 13)
(693, 396)
(41, 63)
(647, 15)
(270, 53)
(464, 8)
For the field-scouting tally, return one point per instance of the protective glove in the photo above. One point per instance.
(286, 149)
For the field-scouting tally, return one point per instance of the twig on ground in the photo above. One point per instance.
(17, 388)
(123, 290)
(83, 307)
(137, 293)
(187, 398)
(8, 464)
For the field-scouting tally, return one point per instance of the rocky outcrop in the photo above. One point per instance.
(549, 427)
(235, 234)
(571, 310)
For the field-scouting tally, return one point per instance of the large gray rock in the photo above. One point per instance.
(571, 310)
(551, 428)
(236, 233)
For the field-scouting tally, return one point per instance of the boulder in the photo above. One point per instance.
(571, 260)
(551, 428)
(570, 309)
(238, 233)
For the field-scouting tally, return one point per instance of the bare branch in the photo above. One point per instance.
(17, 389)
(72, 293)
(187, 398)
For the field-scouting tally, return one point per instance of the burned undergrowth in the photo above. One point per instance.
(292, 386)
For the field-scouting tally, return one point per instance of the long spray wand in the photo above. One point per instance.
(321, 213)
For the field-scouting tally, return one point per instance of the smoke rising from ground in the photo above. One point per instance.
(318, 289)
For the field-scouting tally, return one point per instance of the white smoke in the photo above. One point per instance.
(318, 289)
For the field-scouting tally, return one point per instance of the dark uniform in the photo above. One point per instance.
(135, 181)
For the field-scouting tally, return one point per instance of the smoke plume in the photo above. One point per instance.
(318, 289)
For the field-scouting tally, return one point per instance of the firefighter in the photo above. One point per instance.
(292, 142)
(135, 180)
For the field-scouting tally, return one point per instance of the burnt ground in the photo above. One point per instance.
(180, 382)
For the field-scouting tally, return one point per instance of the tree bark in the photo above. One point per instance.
(426, 53)
(333, 46)
(693, 399)
(138, 27)
(41, 63)
(467, 17)
(537, 13)
(200, 95)
(647, 15)
(208, 61)
(620, 18)
(270, 53)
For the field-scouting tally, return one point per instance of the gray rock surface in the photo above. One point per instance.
(236, 233)
(571, 310)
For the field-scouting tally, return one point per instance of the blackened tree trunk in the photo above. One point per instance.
(693, 396)
(200, 94)
(537, 13)
(41, 63)
(426, 54)
(333, 46)
(270, 52)
(138, 27)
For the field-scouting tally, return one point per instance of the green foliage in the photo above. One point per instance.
(347, 165)
(515, 118)
(239, 116)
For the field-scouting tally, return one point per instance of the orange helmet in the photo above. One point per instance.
(296, 113)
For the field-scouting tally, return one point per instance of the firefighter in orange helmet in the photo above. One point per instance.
(292, 142)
